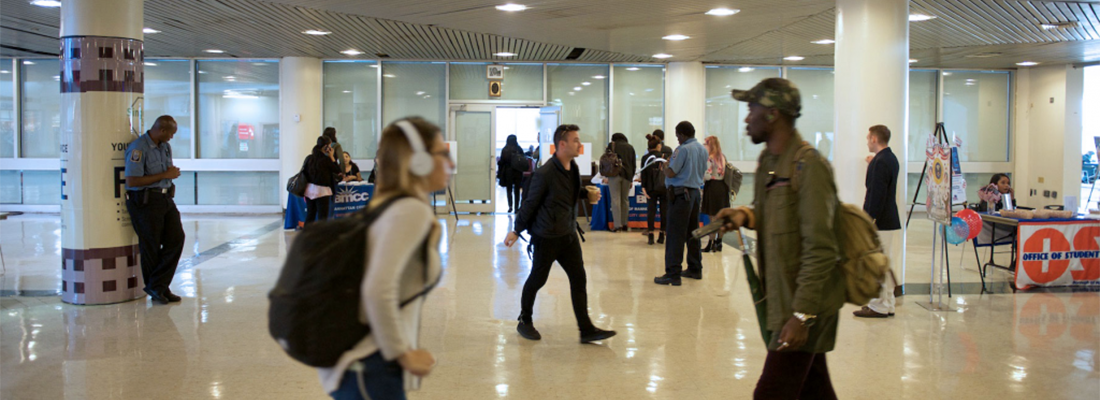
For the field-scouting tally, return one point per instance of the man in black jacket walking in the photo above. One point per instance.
(548, 213)
(880, 204)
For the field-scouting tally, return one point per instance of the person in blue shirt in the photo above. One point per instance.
(153, 213)
(684, 178)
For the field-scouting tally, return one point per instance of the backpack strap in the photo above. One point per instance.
(792, 168)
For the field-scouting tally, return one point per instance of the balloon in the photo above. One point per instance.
(973, 220)
(957, 232)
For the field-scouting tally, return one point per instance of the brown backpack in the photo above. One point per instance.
(610, 163)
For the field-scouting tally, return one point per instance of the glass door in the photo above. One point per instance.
(474, 181)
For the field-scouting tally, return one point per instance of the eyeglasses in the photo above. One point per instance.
(445, 153)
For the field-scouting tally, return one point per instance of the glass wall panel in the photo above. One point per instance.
(745, 196)
(922, 112)
(41, 109)
(351, 106)
(42, 187)
(168, 92)
(975, 108)
(522, 82)
(582, 105)
(639, 102)
(11, 189)
(185, 189)
(414, 89)
(816, 124)
(726, 116)
(7, 108)
(238, 109)
(237, 188)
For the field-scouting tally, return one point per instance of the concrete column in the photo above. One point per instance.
(300, 87)
(685, 98)
(872, 88)
(102, 83)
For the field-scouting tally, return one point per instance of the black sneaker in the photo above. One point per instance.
(528, 331)
(667, 279)
(596, 334)
(691, 274)
(157, 297)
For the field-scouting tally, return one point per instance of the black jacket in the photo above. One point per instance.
(509, 175)
(321, 171)
(882, 183)
(548, 209)
(651, 176)
(630, 159)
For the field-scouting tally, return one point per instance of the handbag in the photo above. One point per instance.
(297, 184)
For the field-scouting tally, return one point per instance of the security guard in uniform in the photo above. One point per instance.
(149, 193)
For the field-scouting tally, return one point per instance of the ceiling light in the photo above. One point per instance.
(214, 51)
(794, 58)
(633, 69)
(28, 62)
(824, 41)
(351, 52)
(1027, 64)
(374, 65)
(420, 93)
(504, 54)
(57, 77)
(389, 75)
(511, 7)
(1058, 25)
(946, 74)
(723, 12)
(150, 30)
(347, 91)
(676, 37)
(913, 60)
(601, 76)
(662, 55)
(586, 83)
(5, 72)
(202, 72)
(572, 93)
(150, 64)
(577, 88)
(746, 69)
(920, 17)
(316, 32)
(46, 3)
(259, 64)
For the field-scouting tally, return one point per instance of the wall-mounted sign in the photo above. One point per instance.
(494, 72)
(495, 89)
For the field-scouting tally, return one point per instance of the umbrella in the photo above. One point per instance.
(757, 290)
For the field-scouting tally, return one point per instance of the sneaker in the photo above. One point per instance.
(528, 331)
(667, 279)
(596, 334)
(698, 275)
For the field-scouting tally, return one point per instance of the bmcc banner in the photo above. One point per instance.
(1058, 254)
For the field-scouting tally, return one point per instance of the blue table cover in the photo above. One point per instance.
(601, 212)
(349, 198)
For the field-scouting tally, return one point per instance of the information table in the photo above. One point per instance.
(348, 198)
(1050, 252)
(639, 209)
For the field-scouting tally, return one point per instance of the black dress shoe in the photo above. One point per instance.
(650, 238)
(667, 279)
(171, 296)
(709, 248)
(596, 334)
(528, 331)
(157, 297)
(718, 246)
(691, 274)
(661, 239)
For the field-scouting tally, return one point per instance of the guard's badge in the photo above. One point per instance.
(135, 156)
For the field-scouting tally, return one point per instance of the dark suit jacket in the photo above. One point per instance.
(882, 183)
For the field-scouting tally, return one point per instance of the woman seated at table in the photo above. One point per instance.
(351, 169)
(992, 195)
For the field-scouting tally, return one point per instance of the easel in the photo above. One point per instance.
(451, 196)
(939, 235)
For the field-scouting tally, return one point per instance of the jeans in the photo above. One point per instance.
(160, 237)
(566, 250)
(372, 378)
(317, 209)
(683, 217)
(794, 375)
(657, 203)
(513, 201)
(620, 200)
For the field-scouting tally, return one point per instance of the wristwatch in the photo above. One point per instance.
(805, 319)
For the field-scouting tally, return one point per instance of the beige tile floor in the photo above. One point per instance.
(695, 341)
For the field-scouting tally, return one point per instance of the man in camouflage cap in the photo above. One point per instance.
(793, 214)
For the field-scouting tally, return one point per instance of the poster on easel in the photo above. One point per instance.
(938, 180)
(958, 181)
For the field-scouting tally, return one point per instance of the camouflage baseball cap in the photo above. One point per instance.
(777, 93)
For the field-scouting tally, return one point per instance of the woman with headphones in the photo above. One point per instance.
(403, 255)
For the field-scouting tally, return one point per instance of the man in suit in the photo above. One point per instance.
(880, 203)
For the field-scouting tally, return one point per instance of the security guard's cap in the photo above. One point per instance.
(777, 93)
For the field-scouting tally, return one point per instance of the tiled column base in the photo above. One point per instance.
(101, 276)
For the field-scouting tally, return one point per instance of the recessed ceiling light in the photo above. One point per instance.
(633, 69)
(572, 93)
(1027, 64)
(57, 77)
(259, 64)
(46, 3)
(230, 77)
(602, 77)
(676, 37)
(150, 64)
(347, 91)
(824, 41)
(913, 60)
(374, 65)
(389, 75)
(946, 74)
(316, 32)
(723, 12)
(586, 83)
(794, 58)
(510, 7)
(150, 30)
(920, 17)
(28, 62)
(577, 88)
(5, 72)
(420, 93)
(662, 55)
(351, 52)
(214, 51)
(746, 69)
(504, 54)
(1058, 25)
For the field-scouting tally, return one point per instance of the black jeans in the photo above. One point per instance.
(378, 380)
(655, 203)
(566, 250)
(795, 375)
(317, 209)
(513, 201)
(683, 217)
(160, 237)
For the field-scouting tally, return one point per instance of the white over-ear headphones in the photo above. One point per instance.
(421, 163)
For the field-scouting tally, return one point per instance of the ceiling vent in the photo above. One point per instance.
(575, 54)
